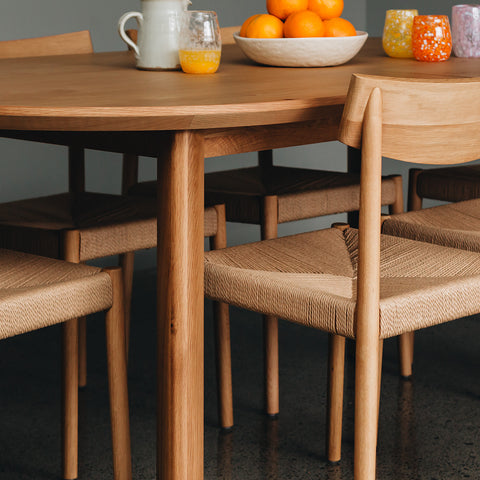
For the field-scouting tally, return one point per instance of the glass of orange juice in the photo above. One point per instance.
(200, 43)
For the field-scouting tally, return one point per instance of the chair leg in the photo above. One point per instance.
(405, 349)
(271, 365)
(82, 352)
(127, 262)
(117, 380)
(366, 410)
(336, 370)
(414, 200)
(269, 229)
(222, 336)
(70, 399)
(406, 341)
(224, 365)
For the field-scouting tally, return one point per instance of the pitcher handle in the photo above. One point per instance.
(121, 29)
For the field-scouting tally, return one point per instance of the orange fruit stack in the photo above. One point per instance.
(299, 18)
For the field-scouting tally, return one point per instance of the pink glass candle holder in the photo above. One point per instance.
(397, 33)
(466, 30)
(431, 38)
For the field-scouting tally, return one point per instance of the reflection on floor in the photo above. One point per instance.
(429, 428)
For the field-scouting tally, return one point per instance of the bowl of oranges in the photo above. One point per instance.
(300, 33)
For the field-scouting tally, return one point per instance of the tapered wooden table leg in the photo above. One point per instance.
(180, 308)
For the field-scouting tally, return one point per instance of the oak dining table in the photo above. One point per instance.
(101, 101)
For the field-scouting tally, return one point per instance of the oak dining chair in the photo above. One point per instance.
(268, 195)
(360, 284)
(37, 292)
(108, 224)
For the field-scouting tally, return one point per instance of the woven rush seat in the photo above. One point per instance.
(37, 292)
(450, 184)
(108, 224)
(32, 301)
(455, 225)
(302, 193)
(311, 279)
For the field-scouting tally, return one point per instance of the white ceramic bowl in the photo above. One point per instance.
(302, 52)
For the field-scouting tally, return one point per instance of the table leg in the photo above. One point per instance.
(180, 308)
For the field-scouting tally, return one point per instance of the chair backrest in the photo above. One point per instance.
(64, 44)
(424, 121)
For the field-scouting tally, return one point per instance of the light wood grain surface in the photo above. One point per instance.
(104, 91)
(102, 101)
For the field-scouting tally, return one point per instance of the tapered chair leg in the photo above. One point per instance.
(366, 413)
(70, 399)
(82, 352)
(405, 347)
(269, 230)
(271, 366)
(127, 263)
(224, 365)
(336, 368)
(222, 336)
(117, 380)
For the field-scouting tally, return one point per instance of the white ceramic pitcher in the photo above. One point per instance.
(158, 30)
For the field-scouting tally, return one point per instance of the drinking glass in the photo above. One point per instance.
(466, 30)
(200, 44)
(431, 38)
(397, 33)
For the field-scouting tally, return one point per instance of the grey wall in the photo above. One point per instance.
(34, 169)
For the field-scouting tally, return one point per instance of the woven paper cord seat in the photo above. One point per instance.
(37, 292)
(358, 283)
(302, 193)
(454, 225)
(450, 184)
(107, 224)
(311, 279)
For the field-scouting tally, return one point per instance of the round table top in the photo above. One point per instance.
(105, 92)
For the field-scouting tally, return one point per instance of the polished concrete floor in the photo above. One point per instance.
(429, 427)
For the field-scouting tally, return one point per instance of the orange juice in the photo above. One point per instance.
(199, 61)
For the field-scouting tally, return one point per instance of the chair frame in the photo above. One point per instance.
(386, 116)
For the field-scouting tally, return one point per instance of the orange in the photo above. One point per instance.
(339, 27)
(303, 24)
(246, 23)
(265, 26)
(326, 8)
(283, 8)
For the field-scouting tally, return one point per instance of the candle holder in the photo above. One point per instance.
(466, 30)
(431, 38)
(397, 33)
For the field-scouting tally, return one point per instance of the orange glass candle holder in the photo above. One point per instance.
(397, 33)
(431, 38)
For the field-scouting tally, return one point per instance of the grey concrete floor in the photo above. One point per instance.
(429, 427)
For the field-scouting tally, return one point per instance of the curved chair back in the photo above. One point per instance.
(423, 121)
(63, 44)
